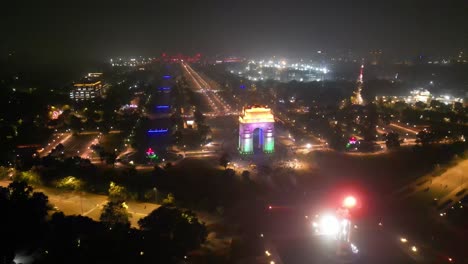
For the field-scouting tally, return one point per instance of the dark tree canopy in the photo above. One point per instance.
(181, 227)
(23, 217)
(115, 214)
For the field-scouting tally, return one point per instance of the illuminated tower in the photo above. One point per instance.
(357, 98)
(256, 118)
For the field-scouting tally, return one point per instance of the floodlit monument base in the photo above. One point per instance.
(251, 119)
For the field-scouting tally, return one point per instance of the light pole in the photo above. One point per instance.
(155, 194)
(81, 201)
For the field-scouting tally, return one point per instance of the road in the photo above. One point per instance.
(289, 238)
(217, 104)
(58, 138)
(88, 204)
(407, 128)
(423, 204)
(91, 205)
(311, 142)
(444, 190)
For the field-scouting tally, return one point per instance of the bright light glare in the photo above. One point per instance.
(414, 249)
(403, 240)
(329, 225)
(349, 202)
(354, 249)
(308, 145)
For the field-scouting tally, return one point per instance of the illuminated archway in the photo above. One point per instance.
(256, 117)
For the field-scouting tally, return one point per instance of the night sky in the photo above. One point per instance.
(99, 29)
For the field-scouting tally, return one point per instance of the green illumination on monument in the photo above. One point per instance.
(269, 145)
(256, 118)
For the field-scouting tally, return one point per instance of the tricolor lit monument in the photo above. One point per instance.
(253, 119)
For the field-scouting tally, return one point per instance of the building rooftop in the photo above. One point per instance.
(87, 83)
(256, 114)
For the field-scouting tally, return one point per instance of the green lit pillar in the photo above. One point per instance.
(245, 141)
(268, 141)
(247, 147)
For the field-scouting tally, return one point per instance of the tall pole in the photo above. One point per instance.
(81, 201)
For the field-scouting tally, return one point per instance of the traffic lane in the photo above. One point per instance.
(56, 139)
(208, 91)
(198, 86)
(407, 129)
(77, 144)
(377, 245)
(290, 227)
(404, 134)
(420, 223)
(300, 245)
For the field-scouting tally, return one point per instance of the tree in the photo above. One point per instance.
(75, 124)
(246, 175)
(369, 124)
(4, 172)
(23, 218)
(224, 160)
(420, 105)
(177, 136)
(392, 140)
(117, 193)
(427, 137)
(59, 148)
(204, 131)
(70, 183)
(169, 200)
(30, 177)
(181, 227)
(110, 158)
(115, 214)
(199, 117)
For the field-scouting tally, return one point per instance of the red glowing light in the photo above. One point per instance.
(349, 202)
(150, 151)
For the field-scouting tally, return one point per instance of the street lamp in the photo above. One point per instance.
(155, 194)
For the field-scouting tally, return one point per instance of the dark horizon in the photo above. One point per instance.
(60, 32)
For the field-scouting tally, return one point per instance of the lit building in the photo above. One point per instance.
(130, 62)
(88, 88)
(419, 95)
(375, 57)
(448, 99)
(280, 70)
(256, 121)
(94, 75)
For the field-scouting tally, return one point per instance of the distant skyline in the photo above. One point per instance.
(64, 31)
